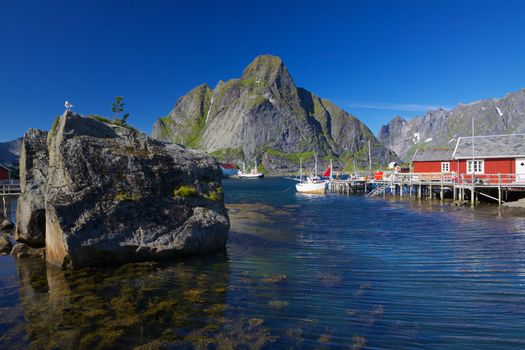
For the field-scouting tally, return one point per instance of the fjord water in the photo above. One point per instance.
(299, 272)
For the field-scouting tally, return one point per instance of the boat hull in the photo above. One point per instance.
(251, 176)
(312, 188)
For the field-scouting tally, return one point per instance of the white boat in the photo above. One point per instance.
(312, 184)
(253, 174)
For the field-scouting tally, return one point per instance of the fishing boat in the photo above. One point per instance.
(253, 174)
(312, 184)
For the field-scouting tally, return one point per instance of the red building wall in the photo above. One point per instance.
(429, 167)
(4, 174)
(492, 166)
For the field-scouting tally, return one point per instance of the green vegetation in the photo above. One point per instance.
(294, 157)
(215, 195)
(196, 124)
(109, 121)
(186, 191)
(55, 124)
(228, 154)
(124, 196)
(120, 118)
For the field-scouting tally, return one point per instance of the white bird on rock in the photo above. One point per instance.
(68, 105)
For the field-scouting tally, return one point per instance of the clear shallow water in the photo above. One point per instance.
(299, 271)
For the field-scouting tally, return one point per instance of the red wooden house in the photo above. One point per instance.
(4, 172)
(433, 160)
(489, 159)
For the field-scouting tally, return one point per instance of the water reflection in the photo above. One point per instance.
(134, 304)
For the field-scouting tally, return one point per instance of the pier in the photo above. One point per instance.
(462, 188)
(8, 189)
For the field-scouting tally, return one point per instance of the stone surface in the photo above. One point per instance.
(6, 224)
(5, 244)
(441, 128)
(21, 250)
(265, 113)
(30, 213)
(116, 195)
(516, 204)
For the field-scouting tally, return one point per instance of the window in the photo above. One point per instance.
(445, 167)
(479, 166)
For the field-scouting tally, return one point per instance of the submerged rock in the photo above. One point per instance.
(30, 212)
(22, 250)
(5, 244)
(520, 203)
(6, 225)
(112, 194)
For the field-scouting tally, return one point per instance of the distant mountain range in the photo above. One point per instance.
(441, 128)
(10, 151)
(264, 116)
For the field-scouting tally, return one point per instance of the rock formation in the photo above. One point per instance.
(440, 128)
(264, 116)
(114, 195)
(30, 213)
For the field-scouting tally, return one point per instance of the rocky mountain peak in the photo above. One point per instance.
(264, 116)
(269, 69)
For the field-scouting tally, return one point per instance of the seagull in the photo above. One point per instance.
(68, 105)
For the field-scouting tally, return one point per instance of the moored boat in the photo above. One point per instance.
(253, 174)
(311, 184)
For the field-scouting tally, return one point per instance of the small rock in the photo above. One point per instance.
(517, 204)
(6, 225)
(5, 244)
(21, 250)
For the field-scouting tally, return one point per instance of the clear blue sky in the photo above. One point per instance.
(376, 59)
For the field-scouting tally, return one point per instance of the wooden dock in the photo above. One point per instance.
(461, 188)
(8, 189)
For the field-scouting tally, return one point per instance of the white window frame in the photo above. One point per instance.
(445, 167)
(479, 166)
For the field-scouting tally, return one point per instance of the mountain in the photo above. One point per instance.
(264, 116)
(441, 128)
(10, 151)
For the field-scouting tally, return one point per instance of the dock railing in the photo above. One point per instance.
(9, 187)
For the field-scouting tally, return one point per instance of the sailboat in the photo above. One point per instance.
(311, 184)
(253, 174)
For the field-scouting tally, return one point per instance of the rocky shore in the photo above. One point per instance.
(93, 193)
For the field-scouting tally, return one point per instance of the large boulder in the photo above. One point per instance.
(114, 194)
(30, 212)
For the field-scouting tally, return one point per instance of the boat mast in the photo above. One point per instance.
(315, 165)
(301, 169)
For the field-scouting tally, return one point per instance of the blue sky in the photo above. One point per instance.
(376, 59)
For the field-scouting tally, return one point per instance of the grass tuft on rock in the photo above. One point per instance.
(186, 191)
(123, 197)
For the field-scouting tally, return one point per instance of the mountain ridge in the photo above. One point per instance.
(263, 115)
(494, 116)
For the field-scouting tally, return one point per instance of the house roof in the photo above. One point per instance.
(493, 146)
(228, 166)
(432, 154)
